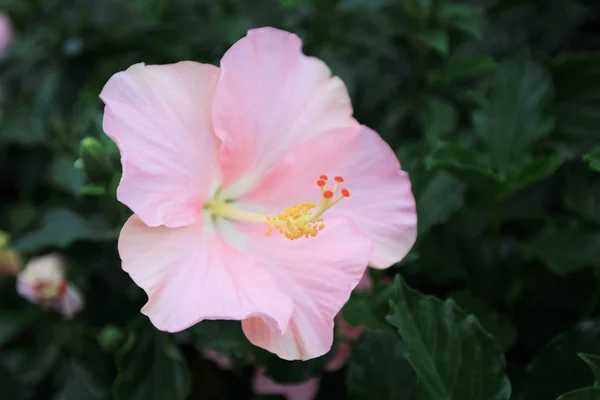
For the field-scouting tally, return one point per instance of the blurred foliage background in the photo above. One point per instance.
(493, 107)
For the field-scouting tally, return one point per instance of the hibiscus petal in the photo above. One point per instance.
(307, 390)
(271, 96)
(318, 274)
(191, 274)
(159, 116)
(380, 202)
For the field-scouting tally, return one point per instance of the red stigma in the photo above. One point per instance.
(328, 194)
(345, 193)
(323, 177)
(339, 179)
(321, 182)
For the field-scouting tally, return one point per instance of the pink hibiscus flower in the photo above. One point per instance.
(224, 168)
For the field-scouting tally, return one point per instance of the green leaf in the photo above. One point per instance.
(594, 363)
(225, 337)
(150, 366)
(463, 18)
(11, 323)
(499, 326)
(577, 81)
(441, 197)
(377, 369)
(565, 250)
(557, 369)
(517, 114)
(81, 384)
(463, 163)
(582, 394)
(439, 118)
(65, 176)
(466, 67)
(60, 227)
(369, 309)
(436, 39)
(448, 349)
(593, 159)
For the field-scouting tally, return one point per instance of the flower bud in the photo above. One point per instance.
(42, 282)
(96, 163)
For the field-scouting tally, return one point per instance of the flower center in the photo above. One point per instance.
(297, 221)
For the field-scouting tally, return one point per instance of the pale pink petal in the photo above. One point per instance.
(191, 274)
(365, 283)
(71, 302)
(318, 274)
(347, 331)
(159, 116)
(6, 32)
(380, 202)
(271, 97)
(307, 390)
(222, 361)
(340, 357)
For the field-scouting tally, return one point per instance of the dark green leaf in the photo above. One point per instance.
(436, 39)
(499, 326)
(225, 337)
(577, 81)
(448, 349)
(150, 366)
(439, 118)
(464, 68)
(582, 394)
(517, 114)
(593, 159)
(377, 369)
(442, 196)
(557, 369)
(65, 176)
(369, 309)
(81, 384)
(60, 227)
(594, 363)
(565, 250)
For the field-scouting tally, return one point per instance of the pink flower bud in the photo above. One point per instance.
(43, 282)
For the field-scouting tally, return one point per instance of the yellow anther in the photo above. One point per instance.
(296, 221)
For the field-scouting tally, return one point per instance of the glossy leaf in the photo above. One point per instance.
(448, 349)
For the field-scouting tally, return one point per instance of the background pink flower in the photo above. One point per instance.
(43, 282)
(6, 32)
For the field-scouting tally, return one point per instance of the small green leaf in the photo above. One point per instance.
(448, 349)
(92, 190)
(517, 114)
(582, 394)
(150, 366)
(60, 227)
(439, 119)
(463, 18)
(436, 39)
(377, 369)
(593, 159)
